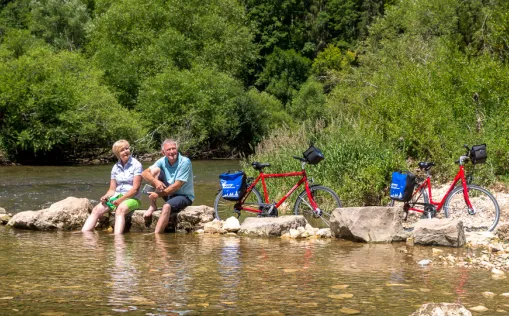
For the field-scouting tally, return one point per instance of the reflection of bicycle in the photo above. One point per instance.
(315, 202)
(467, 198)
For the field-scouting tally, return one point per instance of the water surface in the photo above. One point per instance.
(64, 273)
(25, 188)
(70, 273)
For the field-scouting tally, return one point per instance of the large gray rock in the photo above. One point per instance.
(441, 232)
(373, 224)
(442, 309)
(68, 214)
(194, 217)
(2, 211)
(189, 219)
(214, 227)
(271, 226)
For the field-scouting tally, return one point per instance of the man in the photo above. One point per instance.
(172, 177)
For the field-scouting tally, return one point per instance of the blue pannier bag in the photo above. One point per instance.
(402, 186)
(233, 185)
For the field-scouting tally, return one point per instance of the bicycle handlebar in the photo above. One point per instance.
(301, 159)
(462, 159)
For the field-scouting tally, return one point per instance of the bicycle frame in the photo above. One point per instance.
(427, 185)
(263, 176)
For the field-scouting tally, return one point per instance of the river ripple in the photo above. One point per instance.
(25, 188)
(52, 273)
(64, 273)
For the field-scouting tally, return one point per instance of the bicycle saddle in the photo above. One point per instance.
(259, 165)
(426, 165)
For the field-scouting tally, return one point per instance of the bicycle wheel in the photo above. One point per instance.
(224, 209)
(485, 213)
(326, 199)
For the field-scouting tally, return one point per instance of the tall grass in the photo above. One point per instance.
(356, 166)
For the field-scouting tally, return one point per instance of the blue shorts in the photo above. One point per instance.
(177, 202)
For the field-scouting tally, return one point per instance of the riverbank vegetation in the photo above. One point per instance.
(376, 84)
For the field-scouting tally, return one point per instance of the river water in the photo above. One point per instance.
(70, 273)
(25, 188)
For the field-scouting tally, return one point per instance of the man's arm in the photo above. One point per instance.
(171, 188)
(149, 177)
(166, 191)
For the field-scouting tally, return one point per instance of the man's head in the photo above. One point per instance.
(121, 148)
(169, 149)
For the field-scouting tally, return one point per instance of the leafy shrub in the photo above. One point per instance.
(53, 109)
(357, 166)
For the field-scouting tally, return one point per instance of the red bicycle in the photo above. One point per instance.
(315, 202)
(478, 203)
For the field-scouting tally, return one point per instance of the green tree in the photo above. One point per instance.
(416, 81)
(14, 14)
(133, 41)
(53, 108)
(206, 109)
(60, 22)
(309, 102)
(284, 73)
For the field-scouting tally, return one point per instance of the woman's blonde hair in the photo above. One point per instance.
(117, 147)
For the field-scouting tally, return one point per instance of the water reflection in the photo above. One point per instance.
(102, 274)
(124, 277)
(229, 269)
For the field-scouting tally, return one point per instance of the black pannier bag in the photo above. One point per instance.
(478, 154)
(313, 155)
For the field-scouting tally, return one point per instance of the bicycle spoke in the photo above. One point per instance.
(485, 212)
(224, 209)
(326, 200)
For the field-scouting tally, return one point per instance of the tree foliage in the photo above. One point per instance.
(134, 41)
(61, 23)
(53, 108)
(284, 73)
(208, 110)
(384, 79)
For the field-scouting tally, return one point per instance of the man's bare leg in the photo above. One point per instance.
(164, 218)
(147, 216)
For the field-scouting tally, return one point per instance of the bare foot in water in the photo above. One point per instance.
(147, 216)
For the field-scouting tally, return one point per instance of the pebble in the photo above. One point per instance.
(479, 308)
(492, 255)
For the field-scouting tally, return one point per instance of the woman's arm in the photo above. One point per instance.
(110, 192)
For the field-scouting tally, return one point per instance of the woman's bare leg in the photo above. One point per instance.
(92, 219)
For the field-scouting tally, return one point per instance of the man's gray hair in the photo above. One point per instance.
(169, 141)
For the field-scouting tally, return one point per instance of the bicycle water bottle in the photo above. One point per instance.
(110, 201)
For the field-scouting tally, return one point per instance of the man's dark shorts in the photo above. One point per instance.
(178, 202)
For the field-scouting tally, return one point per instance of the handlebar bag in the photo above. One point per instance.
(313, 155)
(478, 154)
(233, 185)
(402, 186)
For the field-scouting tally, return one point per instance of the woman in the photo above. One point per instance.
(124, 194)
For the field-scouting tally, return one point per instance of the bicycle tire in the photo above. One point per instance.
(224, 209)
(326, 199)
(486, 209)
